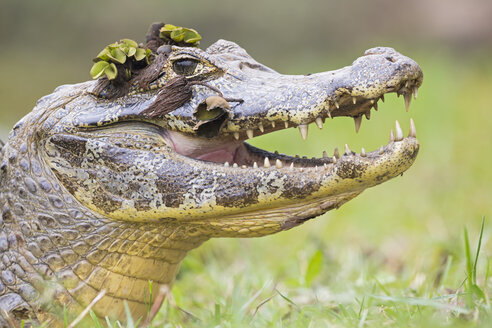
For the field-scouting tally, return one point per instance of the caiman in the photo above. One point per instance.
(108, 185)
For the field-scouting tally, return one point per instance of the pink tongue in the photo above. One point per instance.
(218, 156)
(218, 151)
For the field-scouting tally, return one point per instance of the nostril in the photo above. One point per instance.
(391, 59)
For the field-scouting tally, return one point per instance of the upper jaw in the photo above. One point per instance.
(276, 101)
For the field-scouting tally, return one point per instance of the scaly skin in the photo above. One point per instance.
(94, 195)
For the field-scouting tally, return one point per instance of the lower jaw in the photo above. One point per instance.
(283, 217)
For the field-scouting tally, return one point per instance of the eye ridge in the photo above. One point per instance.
(185, 66)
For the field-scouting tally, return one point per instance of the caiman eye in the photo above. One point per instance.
(185, 67)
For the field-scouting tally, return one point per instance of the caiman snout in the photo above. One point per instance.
(281, 100)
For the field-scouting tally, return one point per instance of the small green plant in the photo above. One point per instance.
(125, 52)
(180, 34)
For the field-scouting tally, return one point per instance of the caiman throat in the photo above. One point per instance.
(107, 184)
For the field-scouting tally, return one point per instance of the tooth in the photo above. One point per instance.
(325, 155)
(226, 164)
(392, 136)
(249, 133)
(236, 135)
(381, 150)
(368, 115)
(279, 164)
(413, 132)
(347, 150)
(415, 92)
(255, 165)
(273, 124)
(260, 127)
(354, 100)
(363, 152)
(382, 98)
(267, 162)
(399, 133)
(337, 104)
(375, 106)
(292, 166)
(334, 159)
(286, 124)
(316, 167)
(303, 128)
(407, 84)
(408, 99)
(336, 153)
(234, 165)
(243, 166)
(329, 113)
(319, 122)
(372, 101)
(326, 166)
(358, 122)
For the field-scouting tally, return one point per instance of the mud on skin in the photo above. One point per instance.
(98, 191)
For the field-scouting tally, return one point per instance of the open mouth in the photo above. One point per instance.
(231, 150)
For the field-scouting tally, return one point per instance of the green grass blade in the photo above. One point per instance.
(65, 316)
(449, 262)
(478, 252)
(95, 320)
(314, 267)
(149, 305)
(361, 306)
(380, 285)
(217, 314)
(287, 299)
(469, 265)
(108, 322)
(414, 301)
(129, 318)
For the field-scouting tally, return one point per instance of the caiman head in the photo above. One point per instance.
(108, 183)
(156, 155)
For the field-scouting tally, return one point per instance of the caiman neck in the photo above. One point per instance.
(71, 253)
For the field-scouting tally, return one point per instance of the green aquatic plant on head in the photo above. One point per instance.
(125, 53)
(179, 34)
(123, 65)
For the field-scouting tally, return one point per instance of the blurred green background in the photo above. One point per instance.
(412, 223)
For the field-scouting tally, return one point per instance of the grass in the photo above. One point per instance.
(363, 292)
(398, 255)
